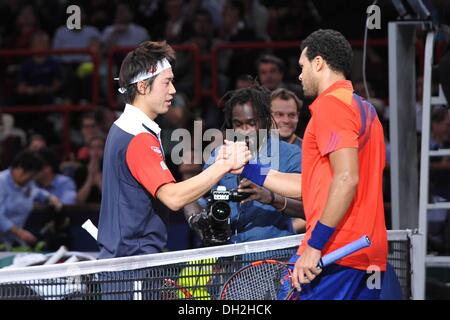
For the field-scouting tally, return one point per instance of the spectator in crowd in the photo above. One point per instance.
(444, 69)
(234, 29)
(56, 184)
(89, 129)
(244, 81)
(124, 33)
(39, 83)
(215, 8)
(77, 87)
(9, 10)
(88, 177)
(439, 139)
(9, 129)
(27, 24)
(263, 214)
(270, 71)
(12, 140)
(100, 12)
(40, 77)
(66, 38)
(175, 24)
(37, 142)
(204, 36)
(18, 193)
(257, 17)
(438, 220)
(440, 128)
(84, 72)
(105, 118)
(285, 107)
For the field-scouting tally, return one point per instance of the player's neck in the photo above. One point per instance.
(144, 108)
(328, 80)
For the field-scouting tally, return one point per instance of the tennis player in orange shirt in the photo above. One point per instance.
(343, 158)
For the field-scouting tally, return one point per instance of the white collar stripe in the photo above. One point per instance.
(133, 121)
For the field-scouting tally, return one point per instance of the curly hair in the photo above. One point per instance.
(332, 46)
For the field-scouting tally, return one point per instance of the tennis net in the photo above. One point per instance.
(189, 274)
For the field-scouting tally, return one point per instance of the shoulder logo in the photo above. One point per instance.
(156, 149)
(163, 165)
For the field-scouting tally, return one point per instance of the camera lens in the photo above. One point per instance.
(220, 210)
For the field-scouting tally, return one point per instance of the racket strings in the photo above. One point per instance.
(259, 282)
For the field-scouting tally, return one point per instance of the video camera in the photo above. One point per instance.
(213, 223)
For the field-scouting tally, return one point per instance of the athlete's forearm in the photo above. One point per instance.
(285, 184)
(342, 191)
(290, 207)
(177, 195)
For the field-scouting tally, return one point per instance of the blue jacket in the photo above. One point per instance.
(255, 220)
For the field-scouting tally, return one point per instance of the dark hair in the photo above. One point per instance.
(37, 136)
(258, 96)
(268, 58)
(88, 115)
(49, 159)
(29, 161)
(285, 94)
(203, 12)
(438, 114)
(332, 46)
(143, 58)
(239, 6)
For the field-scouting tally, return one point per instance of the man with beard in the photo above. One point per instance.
(341, 182)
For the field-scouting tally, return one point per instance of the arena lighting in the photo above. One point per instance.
(411, 9)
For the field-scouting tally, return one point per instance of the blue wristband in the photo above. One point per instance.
(320, 236)
(254, 173)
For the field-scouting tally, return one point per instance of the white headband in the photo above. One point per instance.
(161, 65)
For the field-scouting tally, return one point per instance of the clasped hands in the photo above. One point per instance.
(234, 155)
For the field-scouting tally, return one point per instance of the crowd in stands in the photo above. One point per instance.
(59, 178)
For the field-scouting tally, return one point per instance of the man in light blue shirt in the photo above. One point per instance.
(61, 186)
(18, 192)
(263, 215)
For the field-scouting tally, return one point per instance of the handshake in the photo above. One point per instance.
(233, 155)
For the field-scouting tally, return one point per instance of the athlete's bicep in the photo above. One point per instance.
(146, 163)
(345, 162)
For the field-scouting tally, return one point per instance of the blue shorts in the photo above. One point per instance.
(335, 282)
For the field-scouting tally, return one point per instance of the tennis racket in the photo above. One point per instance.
(171, 290)
(271, 279)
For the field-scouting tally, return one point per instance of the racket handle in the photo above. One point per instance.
(346, 250)
(337, 254)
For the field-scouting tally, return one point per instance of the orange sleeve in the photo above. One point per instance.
(146, 163)
(336, 125)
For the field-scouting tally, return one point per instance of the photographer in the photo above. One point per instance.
(262, 214)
